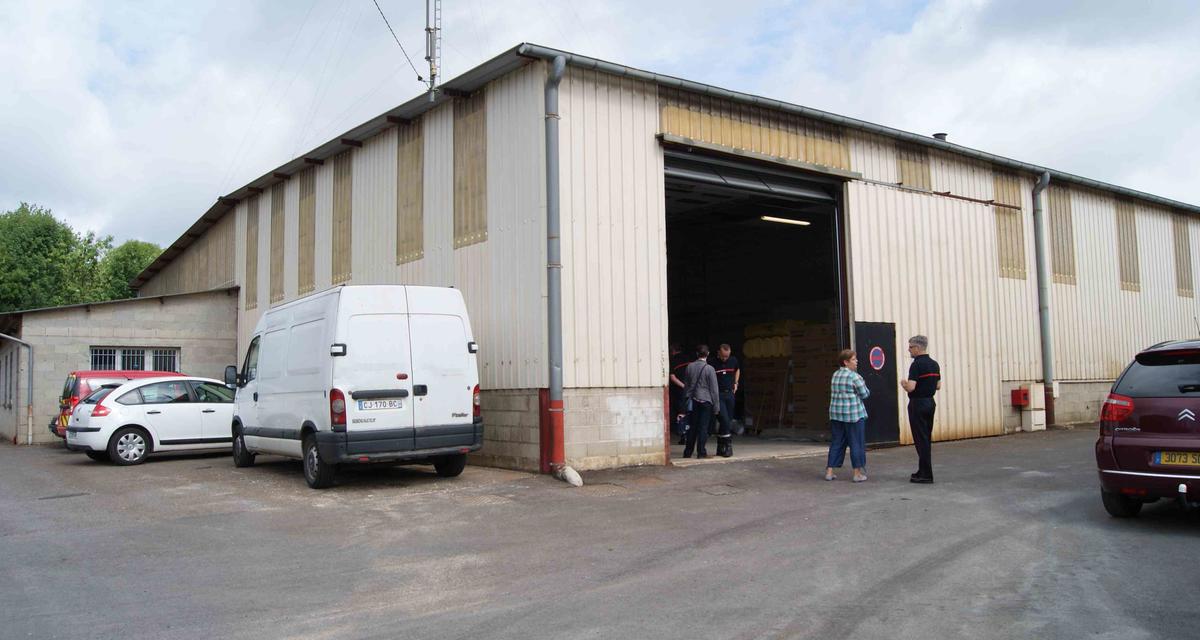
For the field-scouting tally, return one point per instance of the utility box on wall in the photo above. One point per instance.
(1033, 413)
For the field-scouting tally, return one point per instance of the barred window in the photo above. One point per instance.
(135, 358)
(166, 360)
(104, 359)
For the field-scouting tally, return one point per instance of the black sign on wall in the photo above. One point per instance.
(875, 343)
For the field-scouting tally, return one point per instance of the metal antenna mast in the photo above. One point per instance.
(433, 42)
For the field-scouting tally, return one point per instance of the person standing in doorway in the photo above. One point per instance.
(924, 380)
(729, 373)
(701, 390)
(848, 417)
(679, 362)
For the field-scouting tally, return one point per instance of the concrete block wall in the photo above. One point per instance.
(203, 326)
(1080, 401)
(605, 428)
(511, 419)
(1077, 402)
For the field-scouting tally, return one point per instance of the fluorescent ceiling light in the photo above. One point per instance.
(803, 223)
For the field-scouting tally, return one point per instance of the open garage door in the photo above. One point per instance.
(755, 260)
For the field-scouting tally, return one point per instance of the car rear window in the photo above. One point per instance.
(1162, 374)
(98, 394)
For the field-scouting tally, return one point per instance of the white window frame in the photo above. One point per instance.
(148, 355)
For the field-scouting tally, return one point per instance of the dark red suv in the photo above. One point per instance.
(1149, 446)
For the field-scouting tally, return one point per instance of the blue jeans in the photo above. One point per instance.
(853, 434)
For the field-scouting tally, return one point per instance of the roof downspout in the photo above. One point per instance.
(1043, 287)
(28, 391)
(553, 449)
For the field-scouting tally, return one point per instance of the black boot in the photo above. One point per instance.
(728, 448)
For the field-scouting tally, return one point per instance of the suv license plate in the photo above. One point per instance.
(375, 405)
(1177, 458)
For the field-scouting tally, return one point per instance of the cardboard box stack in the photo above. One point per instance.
(786, 373)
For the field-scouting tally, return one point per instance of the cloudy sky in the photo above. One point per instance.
(130, 118)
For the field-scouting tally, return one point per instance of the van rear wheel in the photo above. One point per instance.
(317, 472)
(450, 466)
(1119, 506)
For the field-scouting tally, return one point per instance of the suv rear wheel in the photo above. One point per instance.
(1119, 506)
(317, 472)
(450, 466)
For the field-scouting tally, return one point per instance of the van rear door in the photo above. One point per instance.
(375, 376)
(444, 379)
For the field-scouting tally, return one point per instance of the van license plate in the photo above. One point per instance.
(1177, 458)
(374, 405)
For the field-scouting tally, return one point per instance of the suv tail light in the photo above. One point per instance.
(477, 406)
(337, 410)
(1116, 408)
(100, 411)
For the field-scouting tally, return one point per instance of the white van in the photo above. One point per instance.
(360, 374)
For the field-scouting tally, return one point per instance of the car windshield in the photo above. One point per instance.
(98, 394)
(1162, 374)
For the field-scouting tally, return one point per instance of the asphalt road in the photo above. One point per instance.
(1012, 542)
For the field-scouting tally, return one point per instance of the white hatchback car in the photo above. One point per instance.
(126, 423)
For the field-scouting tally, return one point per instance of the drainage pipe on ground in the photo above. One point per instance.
(555, 453)
(1043, 288)
(28, 392)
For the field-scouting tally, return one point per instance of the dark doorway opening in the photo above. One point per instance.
(755, 260)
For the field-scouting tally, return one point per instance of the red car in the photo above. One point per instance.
(1149, 446)
(80, 384)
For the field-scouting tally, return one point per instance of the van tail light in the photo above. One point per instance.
(337, 410)
(1116, 408)
(100, 411)
(477, 406)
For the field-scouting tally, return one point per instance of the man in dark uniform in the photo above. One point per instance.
(729, 373)
(679, 362)
(924, 380)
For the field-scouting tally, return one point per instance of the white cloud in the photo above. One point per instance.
(131, 119)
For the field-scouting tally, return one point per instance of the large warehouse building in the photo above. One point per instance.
(695, 214)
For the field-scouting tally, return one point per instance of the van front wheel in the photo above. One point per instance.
(317, 472)
(450, 466)
(241, 457)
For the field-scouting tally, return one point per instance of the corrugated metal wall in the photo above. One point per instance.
(410, 198)
(502, 278)
(614, 233)
(1098, 325)
(928, 264)
(209, 263)
(277, 239)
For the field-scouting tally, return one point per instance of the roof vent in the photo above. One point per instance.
(941, 136)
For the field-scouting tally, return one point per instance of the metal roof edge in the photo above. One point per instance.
(521, 54)
(19, 312)
(547, 53)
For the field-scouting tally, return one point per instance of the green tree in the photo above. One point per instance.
(35, 254)
(123, 264)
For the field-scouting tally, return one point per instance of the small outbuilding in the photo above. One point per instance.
(193, 333)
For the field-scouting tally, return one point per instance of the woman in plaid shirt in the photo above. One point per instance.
(848, 417)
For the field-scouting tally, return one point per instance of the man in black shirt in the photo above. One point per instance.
(924, 380)
(679, 362)
(729, 373)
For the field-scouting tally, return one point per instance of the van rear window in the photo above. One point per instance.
(1162, 374)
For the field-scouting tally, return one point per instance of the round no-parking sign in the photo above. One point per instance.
(877, 358)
